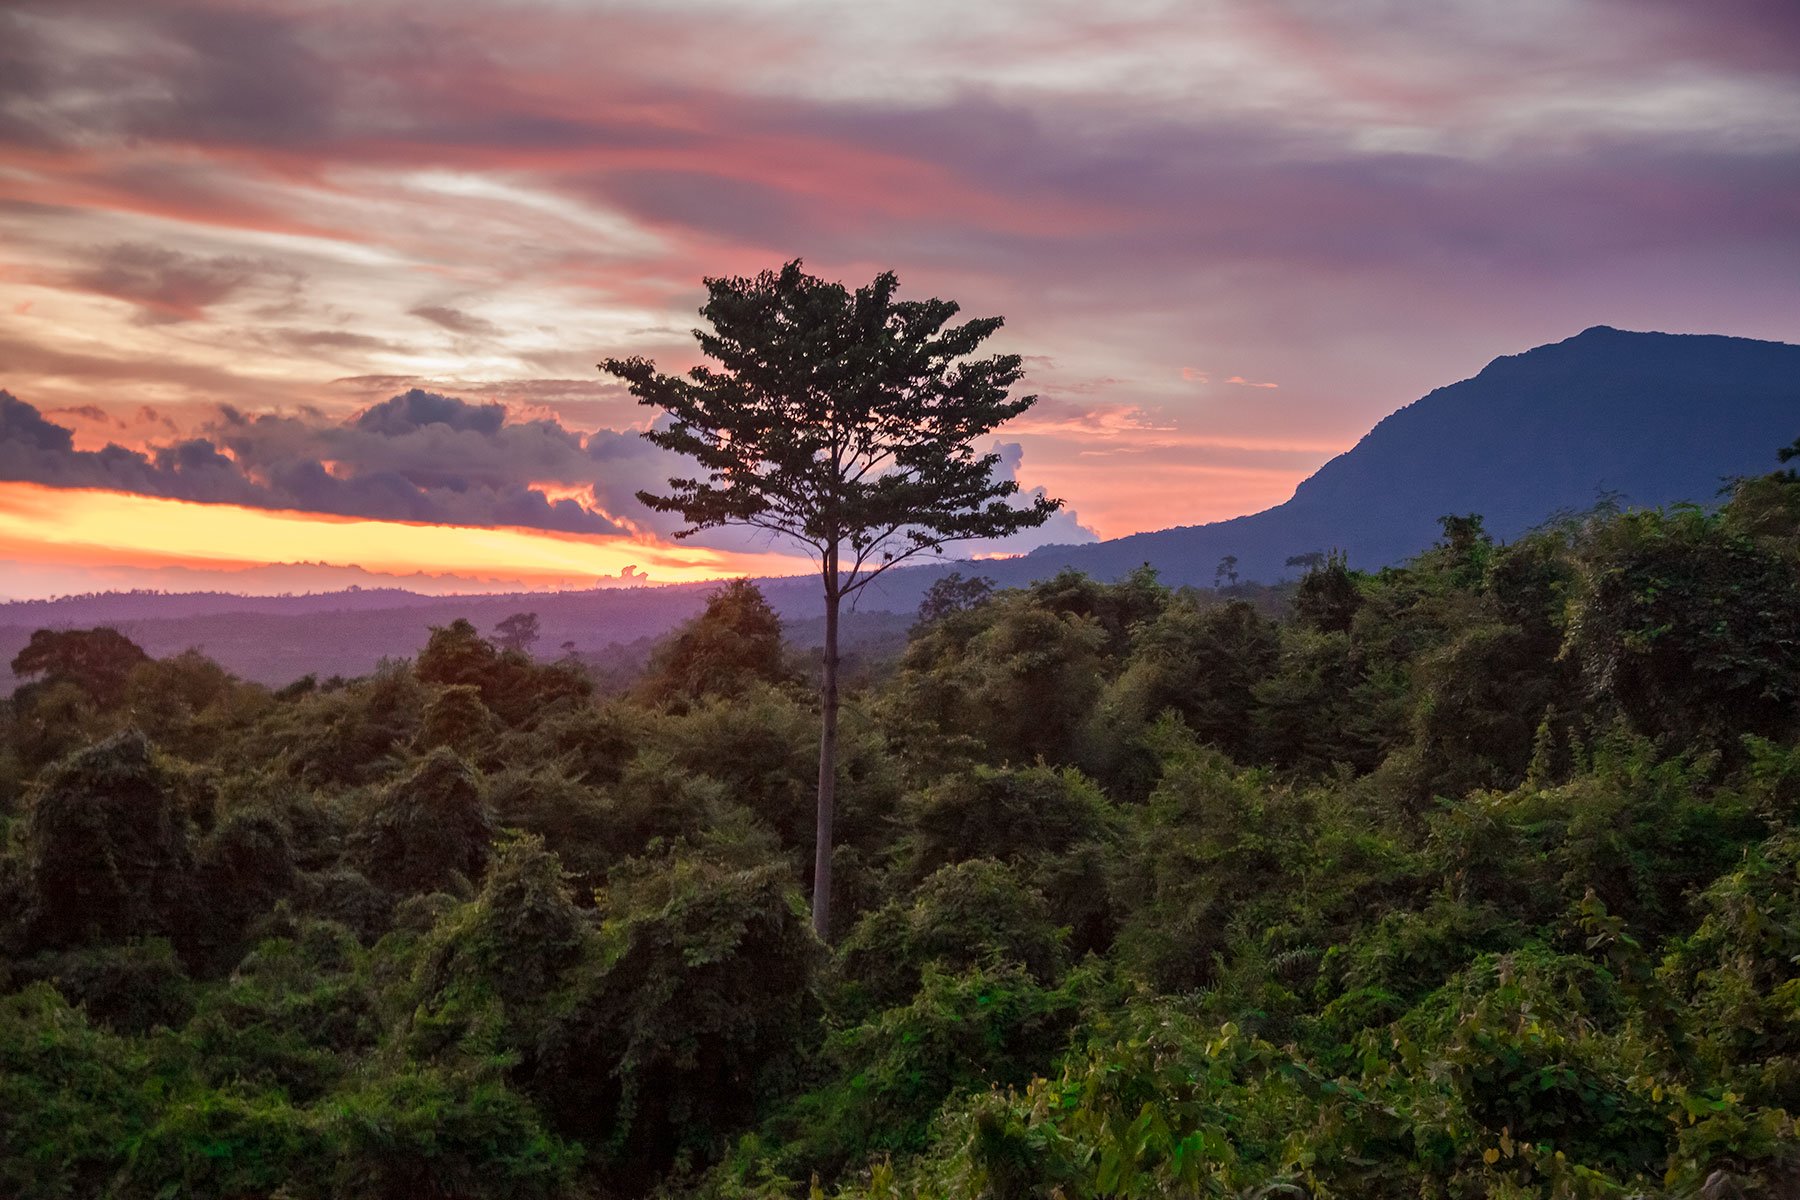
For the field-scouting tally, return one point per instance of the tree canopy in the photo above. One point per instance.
(845, 420)
(1470, 877)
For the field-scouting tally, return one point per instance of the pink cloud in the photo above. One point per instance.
(1379, 211)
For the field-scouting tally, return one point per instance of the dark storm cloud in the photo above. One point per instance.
(247, 76)
(23, 429)
(38, 451)
(1747, 35)
(414, 410)
(416, 457)
(1212, 193)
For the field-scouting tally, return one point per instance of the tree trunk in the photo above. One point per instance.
(828, 712)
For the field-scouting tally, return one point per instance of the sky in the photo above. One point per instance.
(301, 294)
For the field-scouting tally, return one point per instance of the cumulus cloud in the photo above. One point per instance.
(416, 409)
(1062, 529)
(417, 456)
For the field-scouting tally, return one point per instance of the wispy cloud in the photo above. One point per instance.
(456, 320)
(241, 202)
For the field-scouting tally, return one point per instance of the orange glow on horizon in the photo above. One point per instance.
(78, 526)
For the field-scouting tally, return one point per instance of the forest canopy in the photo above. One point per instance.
(1478, 876)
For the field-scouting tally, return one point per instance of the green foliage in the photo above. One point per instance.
(342, 737)
(1053, 827)
(96, 661)
(456, 719)
(847, 422)
(1015, 678)
(959, 1034)
(969, 914)
(428, 829)
(509, 950)
(1118, 608)
(731, 646)
(690, 1017)
(244, 866)
(1309, 713)
(431, 1132)
(1210, 840)
(519, 632)
(1477, 877)
(1328, 597)
(1204, 664)
(1741, 972)
(1688, 626)
(883, 392)
(109, 847)
(953, 594)
(130, 988)
(1005, 814)
(71, 1098)
(291, 1019)
(762, 747)
(513, 687)
(221, 1145)
(189, 705)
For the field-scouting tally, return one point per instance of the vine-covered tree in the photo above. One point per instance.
(953, 594)
(846, 421)
(732, 645)
(517, 632)
(98, 661)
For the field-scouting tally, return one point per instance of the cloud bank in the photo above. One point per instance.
(417, 456)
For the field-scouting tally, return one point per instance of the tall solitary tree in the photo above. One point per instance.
(845, 421)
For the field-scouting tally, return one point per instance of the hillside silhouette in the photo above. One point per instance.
(1643, 418)
(1640, 419)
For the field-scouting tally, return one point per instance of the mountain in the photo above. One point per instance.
(1647, 418)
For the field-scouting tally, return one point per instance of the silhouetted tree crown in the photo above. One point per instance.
(517, 632)
(953, 594)
(97, 661)
(846, 420)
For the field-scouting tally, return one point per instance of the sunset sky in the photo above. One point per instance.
(295, 295)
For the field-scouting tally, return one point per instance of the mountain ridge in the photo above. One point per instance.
(1648, 418)
(1351, 503)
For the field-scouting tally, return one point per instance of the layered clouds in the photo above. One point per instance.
(1229, 235)
(416, 457)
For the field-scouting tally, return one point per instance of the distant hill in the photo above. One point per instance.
(1647, 418)
(1650, 418)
